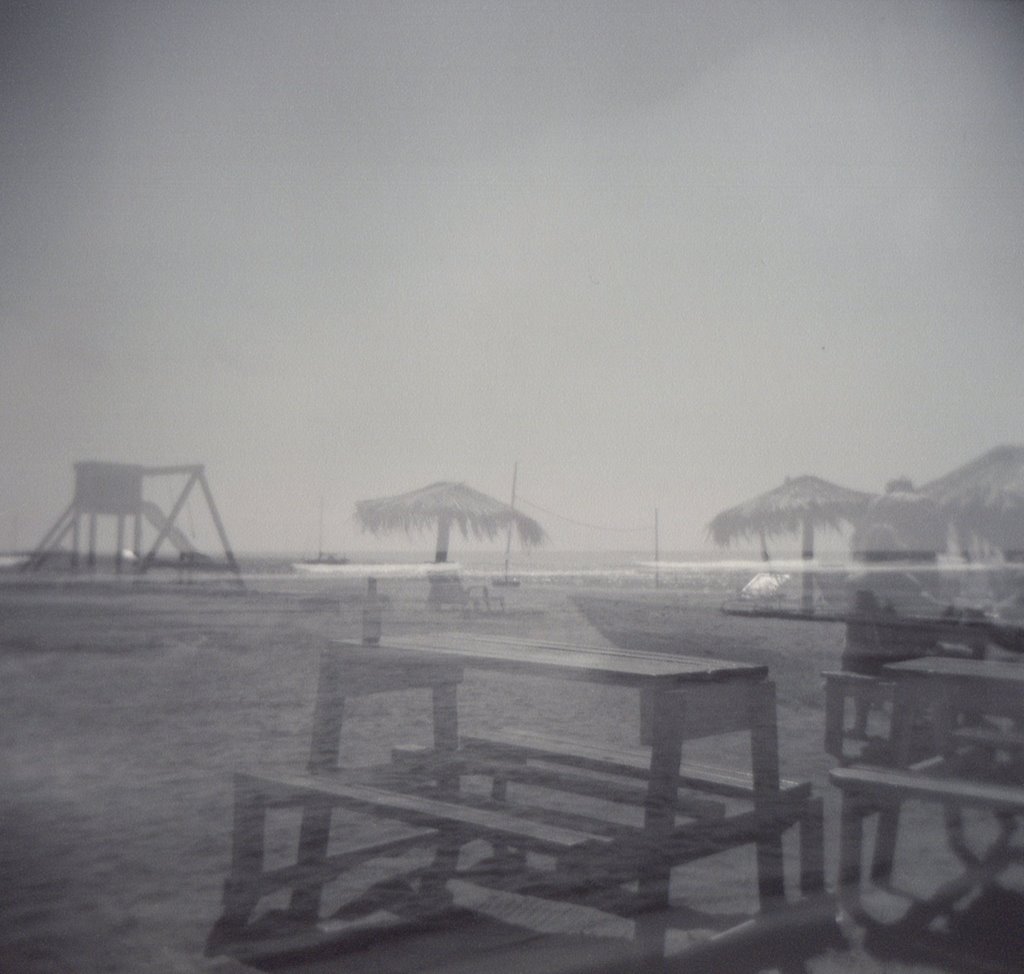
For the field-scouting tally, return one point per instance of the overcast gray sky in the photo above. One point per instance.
(663, 254)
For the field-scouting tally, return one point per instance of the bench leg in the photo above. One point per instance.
(835, 718)
(651, 923)
(852, 813)
(764, 746)
(885, 843)
(906, 708)
(314, 835)
(434, 893)
(812, 848)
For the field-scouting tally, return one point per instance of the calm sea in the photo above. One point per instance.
(699, 573)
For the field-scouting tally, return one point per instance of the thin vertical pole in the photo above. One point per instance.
(657, 578)
(512, 518)
(808, 572)
(74, 539)
(320, 535)
(137, 539)
(444, 526)
(91, 558)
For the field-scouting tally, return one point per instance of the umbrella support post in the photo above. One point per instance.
(444, 527)
(807, 598)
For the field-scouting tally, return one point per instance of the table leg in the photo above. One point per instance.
(242, 888)
(328, 714)
(449, 843)
(905, 712)
(315, 830)
(446, 732)
(907, 708)
(655, 874)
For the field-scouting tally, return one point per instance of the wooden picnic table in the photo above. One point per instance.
(679, 699)
(947, 688)
(973, 711)
(864, 689)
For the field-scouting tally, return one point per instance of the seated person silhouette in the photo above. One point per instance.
(884, 600)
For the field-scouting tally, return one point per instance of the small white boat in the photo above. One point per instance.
(505, 581)
(765, 586)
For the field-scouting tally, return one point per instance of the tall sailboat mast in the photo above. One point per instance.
(508, 540)
(511, 520)
(320, 534)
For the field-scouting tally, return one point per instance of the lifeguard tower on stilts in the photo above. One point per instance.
(117, 490)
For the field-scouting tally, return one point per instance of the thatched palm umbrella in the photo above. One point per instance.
(918, 526)
(986, 498)
(901, 525)
(440, 506)
(800, 504)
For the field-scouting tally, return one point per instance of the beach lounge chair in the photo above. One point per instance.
(447, 591)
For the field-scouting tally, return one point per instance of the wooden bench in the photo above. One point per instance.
(528, 755)
(888, 783)
(447, 591)
(990, 738)
(432, 821)
(630, 762)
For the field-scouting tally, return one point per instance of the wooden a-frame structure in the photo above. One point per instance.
(116, 489)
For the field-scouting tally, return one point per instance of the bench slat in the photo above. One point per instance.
(575, 781)
(635, 762)
(303, 874)
(952, 791)
(991, 738)
(426, 811)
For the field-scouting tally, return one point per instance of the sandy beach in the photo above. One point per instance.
(127, 708)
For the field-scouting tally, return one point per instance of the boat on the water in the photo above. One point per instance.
(322, 562)
(664, 622)
(505, 581)
(766, 596)
(640, 622)
(655, 622)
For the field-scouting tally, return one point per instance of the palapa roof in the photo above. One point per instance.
(986, 496)
(916, 522)
(473, 512)
(785, 509)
